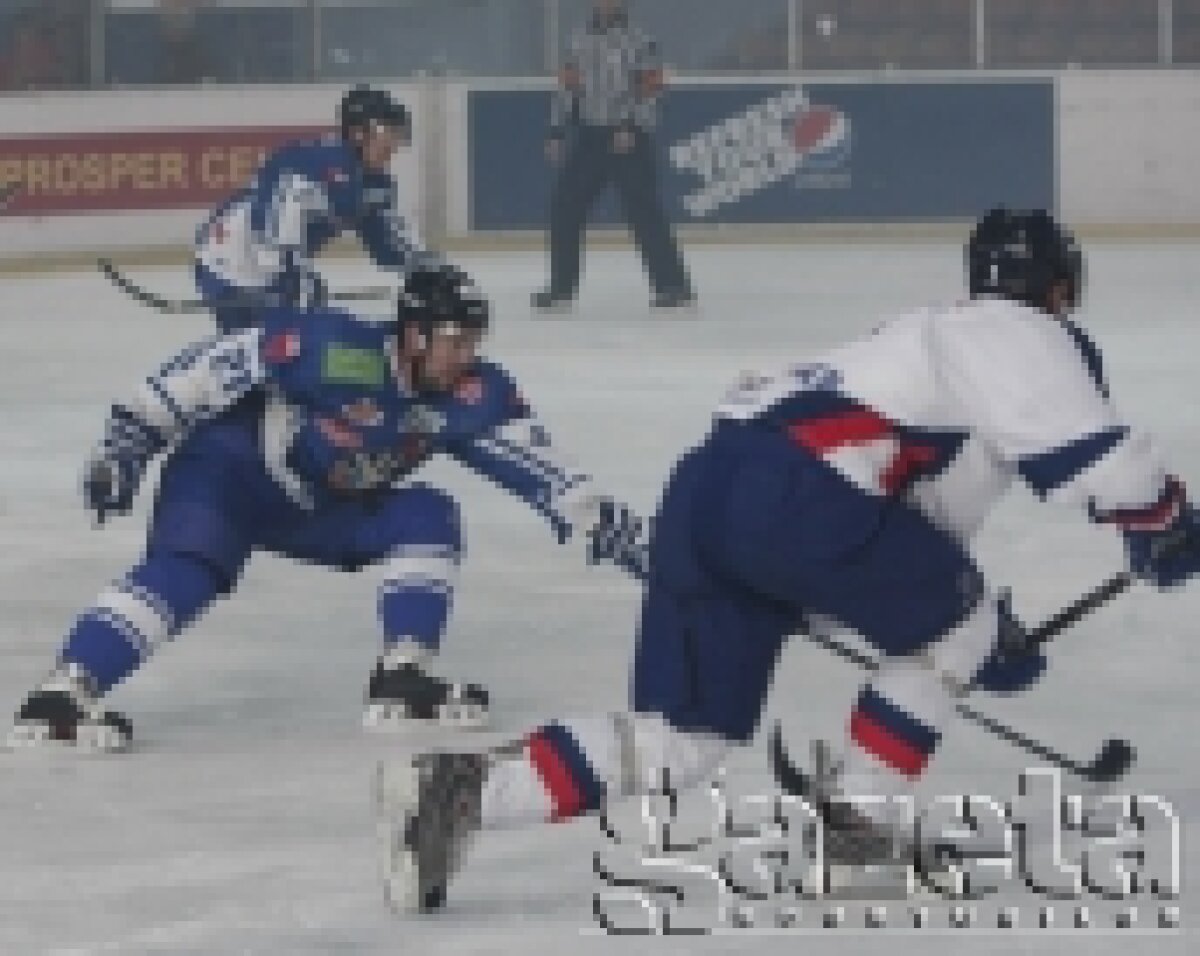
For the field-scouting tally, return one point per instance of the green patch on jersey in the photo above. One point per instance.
(347, 365)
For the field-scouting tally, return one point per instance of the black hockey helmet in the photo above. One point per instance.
(1020, 255)
(441, 298)
(364, 104)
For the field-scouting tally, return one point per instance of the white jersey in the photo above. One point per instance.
(305, 195)
(948, 405)
(230, 250)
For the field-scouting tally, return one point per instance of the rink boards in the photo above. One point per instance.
(134, 170)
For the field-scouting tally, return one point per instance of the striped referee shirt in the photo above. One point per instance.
(612, 77)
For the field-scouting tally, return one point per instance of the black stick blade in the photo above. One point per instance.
(1113, 761)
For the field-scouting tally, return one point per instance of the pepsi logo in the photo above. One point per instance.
(811, 127)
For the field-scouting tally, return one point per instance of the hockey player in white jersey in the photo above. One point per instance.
(256, 249)
(300, 437)
(848, 486)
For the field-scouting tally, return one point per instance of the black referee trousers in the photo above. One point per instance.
(589, 164)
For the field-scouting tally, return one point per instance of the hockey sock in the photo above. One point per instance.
(893, 732)
(416, 594)
(567, 768)
(151, 604)
(896, 723)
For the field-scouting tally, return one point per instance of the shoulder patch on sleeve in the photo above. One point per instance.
(281, 347)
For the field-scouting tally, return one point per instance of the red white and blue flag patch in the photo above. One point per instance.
(281, 347)
(565, 772)
(891, 735)
(867, 448)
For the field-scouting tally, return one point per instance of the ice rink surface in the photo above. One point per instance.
(243, 823)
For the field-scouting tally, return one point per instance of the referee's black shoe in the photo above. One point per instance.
(551, 300)
(673, 299)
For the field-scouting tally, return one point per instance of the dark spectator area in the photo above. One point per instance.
(1107, 33)
(897, 34)
(451, 37)
(44, 45)
(68, 44)
(1185, 32)
(189, 41)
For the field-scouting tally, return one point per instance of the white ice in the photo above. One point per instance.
(243, 823)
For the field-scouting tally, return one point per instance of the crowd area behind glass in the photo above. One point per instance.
(74, 44)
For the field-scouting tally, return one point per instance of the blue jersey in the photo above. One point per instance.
(305, 194)
(311, 398)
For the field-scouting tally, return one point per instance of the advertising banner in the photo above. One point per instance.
(122, 171)
(794, 152)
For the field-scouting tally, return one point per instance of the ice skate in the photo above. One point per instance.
(64, 712)
(854, 841)
(852, 837)
(402, 695)
(427, 807)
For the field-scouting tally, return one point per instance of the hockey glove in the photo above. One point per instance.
(616, 537)
(1014, 665)
(611, 531)
(1010, 673)
(113, 474)
(1169, 556)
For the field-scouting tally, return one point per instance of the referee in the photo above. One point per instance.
(600, 130)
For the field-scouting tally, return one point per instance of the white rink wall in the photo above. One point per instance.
(1127, 146)
(147, 111)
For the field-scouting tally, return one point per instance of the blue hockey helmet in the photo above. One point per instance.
(364, 104)
(441, 298)
(1021, 255)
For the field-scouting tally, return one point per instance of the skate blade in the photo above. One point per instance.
(882, 882)
(395, 719)
(875, 881)
(89, 739)
(397, 785)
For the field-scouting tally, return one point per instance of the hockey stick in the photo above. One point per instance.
(1082, 606)
(145, 297)
(1173, 544)
(1049, 629)
(1111, 762)
(190, 306)
(1109, 765)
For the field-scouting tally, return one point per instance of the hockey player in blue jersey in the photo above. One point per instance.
(847, 487)
(298, 437)
(257, 248)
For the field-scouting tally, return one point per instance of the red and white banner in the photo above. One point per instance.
(137, 170)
